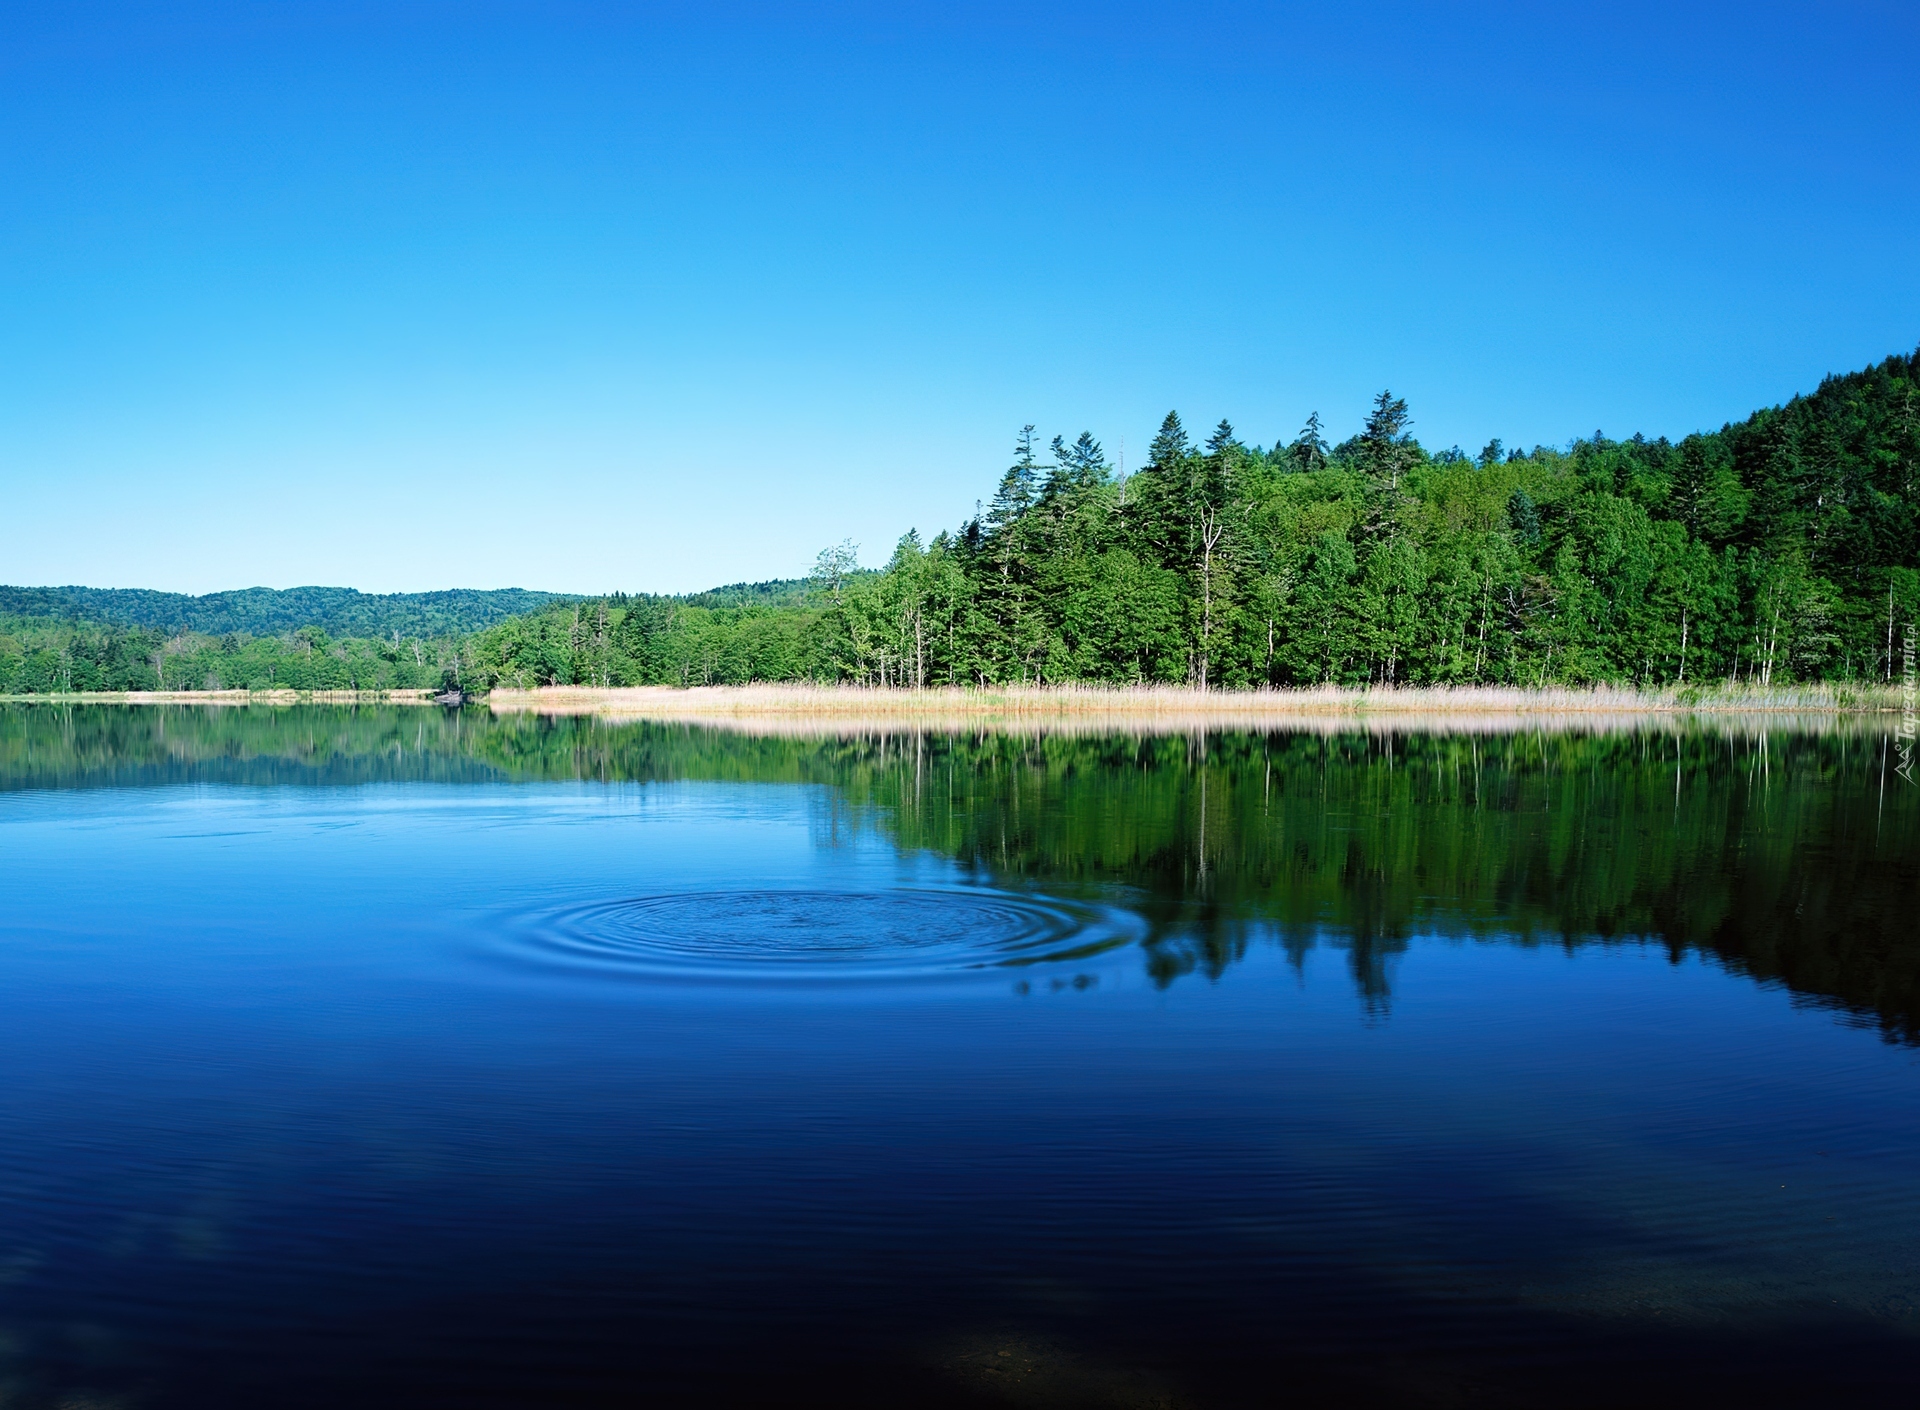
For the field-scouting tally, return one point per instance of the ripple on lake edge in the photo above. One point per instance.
(818, 935)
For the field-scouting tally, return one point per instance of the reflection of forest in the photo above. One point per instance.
(1787, 856)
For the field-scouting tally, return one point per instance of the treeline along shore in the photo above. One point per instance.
(1778, 551)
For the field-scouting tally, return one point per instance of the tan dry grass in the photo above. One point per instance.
(816, 709)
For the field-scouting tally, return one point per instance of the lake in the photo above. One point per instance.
(400, 1057)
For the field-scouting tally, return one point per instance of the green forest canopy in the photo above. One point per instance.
(1784, 547)
(309, 638)
(340, 612)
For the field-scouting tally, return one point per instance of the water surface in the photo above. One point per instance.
(393, 1057)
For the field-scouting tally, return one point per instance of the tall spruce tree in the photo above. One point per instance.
(1309, 448)
(1385, 454)
(1169, 448)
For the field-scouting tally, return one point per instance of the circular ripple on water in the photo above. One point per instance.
(826, 934)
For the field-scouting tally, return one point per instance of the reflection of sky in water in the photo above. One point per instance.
(290, 1096)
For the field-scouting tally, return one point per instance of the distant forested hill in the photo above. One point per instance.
(775, 592)
(340, 612)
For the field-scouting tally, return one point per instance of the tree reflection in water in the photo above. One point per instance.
(1789, 855)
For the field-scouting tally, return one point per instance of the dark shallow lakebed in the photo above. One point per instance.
(399, 1057)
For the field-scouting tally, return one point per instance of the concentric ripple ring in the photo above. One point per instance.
(824, 934)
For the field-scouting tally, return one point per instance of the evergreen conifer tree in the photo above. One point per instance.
(1309, 448)
(1385, 454)
(1169, 448)
(1018, 488)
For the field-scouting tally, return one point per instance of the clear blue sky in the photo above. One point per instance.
(584, 297)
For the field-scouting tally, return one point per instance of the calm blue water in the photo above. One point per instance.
(402, 1071)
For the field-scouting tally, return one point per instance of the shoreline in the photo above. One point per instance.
(1083, 701)
(1079, 710)
(226, 697)
(771, 700)
(846, 710)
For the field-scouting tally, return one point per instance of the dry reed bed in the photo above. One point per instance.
(814, 710)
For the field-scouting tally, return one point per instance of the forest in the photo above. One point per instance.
(61, 639)
(340, 612)
(1784, 547)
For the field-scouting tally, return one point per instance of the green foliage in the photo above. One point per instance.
(1777, 549)
(341, 612)
(643, 640)
(42, 656)
(775, 592)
